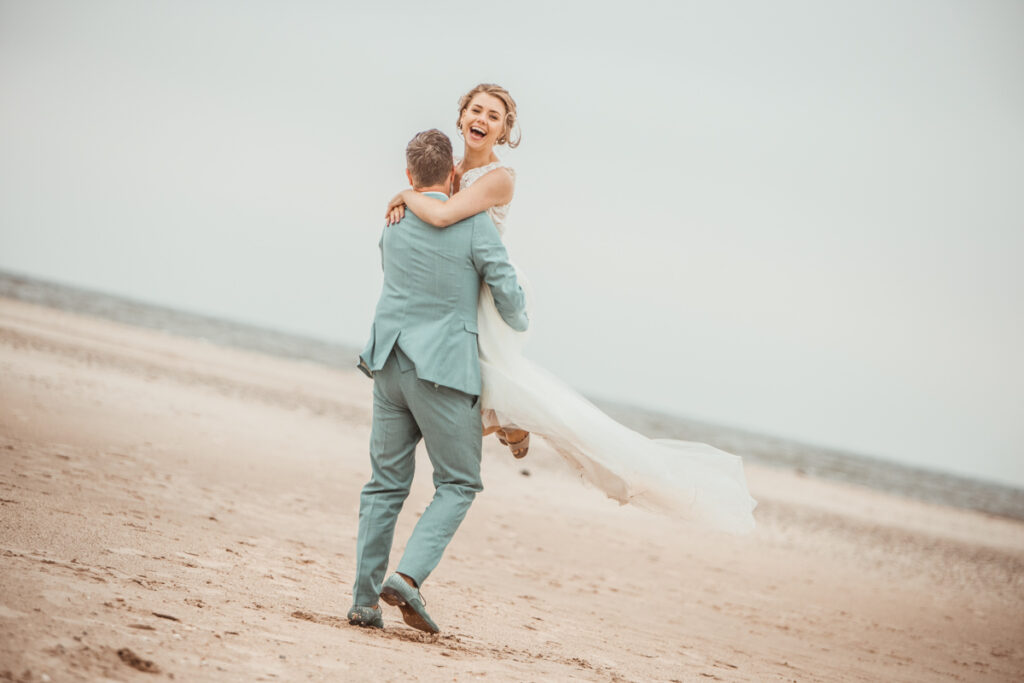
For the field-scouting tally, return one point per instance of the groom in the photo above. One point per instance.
(423, 358)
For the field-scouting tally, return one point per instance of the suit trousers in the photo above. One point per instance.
(406, 409)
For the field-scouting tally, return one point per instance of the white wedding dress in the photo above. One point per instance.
(692, 480)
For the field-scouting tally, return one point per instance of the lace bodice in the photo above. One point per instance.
(498, 214)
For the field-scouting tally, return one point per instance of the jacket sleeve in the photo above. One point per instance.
(491, 261)
(380, 246)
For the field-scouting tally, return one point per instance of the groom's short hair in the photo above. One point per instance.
(429, 158)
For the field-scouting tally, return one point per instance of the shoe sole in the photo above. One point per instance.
(409, 614)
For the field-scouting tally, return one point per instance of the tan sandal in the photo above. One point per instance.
(519, 447)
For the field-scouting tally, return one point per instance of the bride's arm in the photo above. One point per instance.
(493, 189)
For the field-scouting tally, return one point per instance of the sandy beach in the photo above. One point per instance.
(170, 508)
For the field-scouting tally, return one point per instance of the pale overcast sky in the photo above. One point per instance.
(802, 218)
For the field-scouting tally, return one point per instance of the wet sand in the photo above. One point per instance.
(169, 507)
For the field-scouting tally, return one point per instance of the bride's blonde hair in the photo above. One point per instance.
(510, 111)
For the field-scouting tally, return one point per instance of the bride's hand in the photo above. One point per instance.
(395, 211)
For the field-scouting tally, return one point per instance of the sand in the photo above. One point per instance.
(174, 509)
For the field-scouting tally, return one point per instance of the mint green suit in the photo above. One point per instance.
(423, 358)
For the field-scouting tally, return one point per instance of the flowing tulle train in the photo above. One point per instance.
(690, 480)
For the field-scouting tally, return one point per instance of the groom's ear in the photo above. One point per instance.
(408, 174)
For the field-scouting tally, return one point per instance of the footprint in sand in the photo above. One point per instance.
(8, 613)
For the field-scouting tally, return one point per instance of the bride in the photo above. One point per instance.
(692, 480)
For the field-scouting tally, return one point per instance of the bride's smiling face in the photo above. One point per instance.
(483, 121)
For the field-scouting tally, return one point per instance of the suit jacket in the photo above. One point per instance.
(429, 300)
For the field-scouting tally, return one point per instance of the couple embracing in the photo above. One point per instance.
(445, 355)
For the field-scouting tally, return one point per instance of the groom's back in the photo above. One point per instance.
(428, 301)
(429, 273)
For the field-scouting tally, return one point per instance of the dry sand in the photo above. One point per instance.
(170, 508)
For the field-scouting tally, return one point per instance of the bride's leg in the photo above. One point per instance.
(490, 421)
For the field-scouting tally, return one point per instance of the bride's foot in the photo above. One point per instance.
(517, 440)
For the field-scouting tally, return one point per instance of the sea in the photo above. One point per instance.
(772, 451)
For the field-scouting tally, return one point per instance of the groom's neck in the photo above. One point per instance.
(433, 188)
